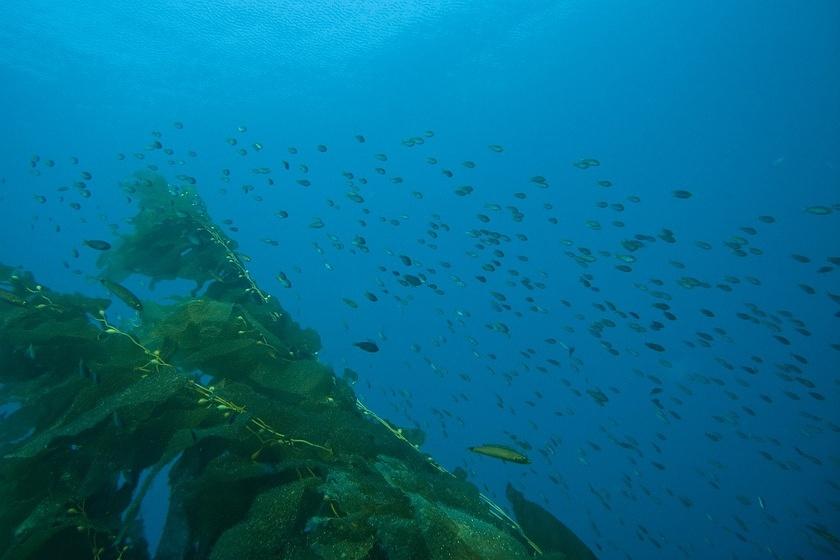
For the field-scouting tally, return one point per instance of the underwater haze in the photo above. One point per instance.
(586, 250)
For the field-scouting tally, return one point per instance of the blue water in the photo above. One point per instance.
(736, 102)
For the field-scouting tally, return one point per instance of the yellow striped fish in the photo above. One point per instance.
(12, 298)
(501, 452)
(123, 293)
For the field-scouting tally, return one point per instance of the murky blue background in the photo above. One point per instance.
(736, 102)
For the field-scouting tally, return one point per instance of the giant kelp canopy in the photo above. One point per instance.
(268, 454)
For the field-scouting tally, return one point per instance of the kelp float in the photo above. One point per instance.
(267, 453)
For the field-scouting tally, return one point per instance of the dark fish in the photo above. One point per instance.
(284, 280)
(350, 376)
(97, 244)
(654, 346)
(367, 346)
(413, 280)
(123, 293)
(598, 396)
(84, 370)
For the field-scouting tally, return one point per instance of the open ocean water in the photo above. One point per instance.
(604, 234)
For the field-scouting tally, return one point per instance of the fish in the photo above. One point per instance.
(598, 396)
(12, 298)
(123, 293)
(84, 370)
(97, 244)
(284, 280)
(350, 376)
(367, 346)
(501, 452)
(654, 346)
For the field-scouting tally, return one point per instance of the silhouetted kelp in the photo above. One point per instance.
(270, 454)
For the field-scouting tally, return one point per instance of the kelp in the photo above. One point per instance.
(553, 537)
(268, 453)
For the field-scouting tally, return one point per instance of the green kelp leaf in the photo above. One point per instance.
(150, 389)
(181, 440)
(171, 236)
(271, 527)
(545, 529)
(451, 533)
